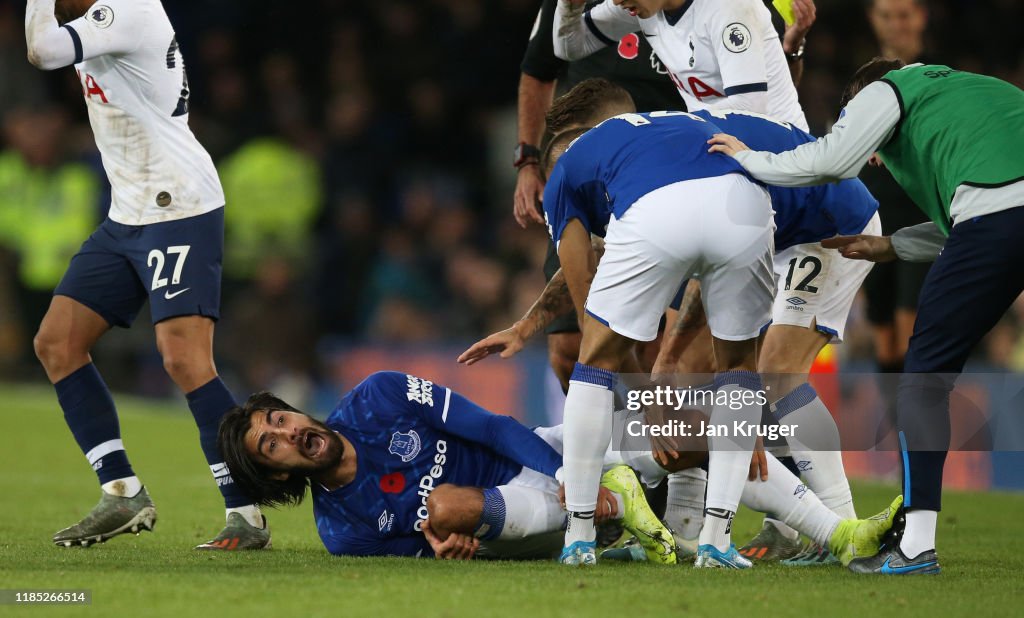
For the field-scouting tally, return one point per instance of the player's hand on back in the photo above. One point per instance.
(506, 343)
(455, 547)
(726, 144)
(804, 15)
(529, 193)
(863, 247)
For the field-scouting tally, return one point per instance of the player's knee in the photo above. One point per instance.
(57, 353)
(442, 507)
(454, 509)
(187, 367)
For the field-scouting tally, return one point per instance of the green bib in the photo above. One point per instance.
(955, 128)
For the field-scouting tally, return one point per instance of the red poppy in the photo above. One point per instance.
(392, 483)
(629, 46)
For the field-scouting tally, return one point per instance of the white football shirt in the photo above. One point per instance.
(134, 83)
(713, 50)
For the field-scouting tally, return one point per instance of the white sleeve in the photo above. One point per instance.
(918, 243)
(113, 27)
(49, 46)
(868, 122)
(735, 29)
(578, 33)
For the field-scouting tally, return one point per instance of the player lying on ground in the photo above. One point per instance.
(162, 241)
(406, 467)
(824, 285)
(952, 140)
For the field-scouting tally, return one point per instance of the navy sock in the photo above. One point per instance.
(492, 520)
(90, 414)
(208, 404)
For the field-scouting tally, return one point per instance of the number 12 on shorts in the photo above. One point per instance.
(805, 283)
(158, 258)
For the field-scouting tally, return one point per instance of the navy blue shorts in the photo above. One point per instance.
(176, 264)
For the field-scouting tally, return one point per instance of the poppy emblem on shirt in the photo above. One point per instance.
(629, 46)
(392, 483)
(101, 16)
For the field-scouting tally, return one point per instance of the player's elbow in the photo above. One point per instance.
(41, 58)
(566, 51)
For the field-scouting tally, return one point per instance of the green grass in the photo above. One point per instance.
(47, 485)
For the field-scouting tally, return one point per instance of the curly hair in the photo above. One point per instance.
(255, 479)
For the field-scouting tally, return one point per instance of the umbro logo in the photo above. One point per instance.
(796, 301)
(168, 295)
(385, 521)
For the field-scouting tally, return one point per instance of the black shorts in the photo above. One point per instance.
(891, 286)
(175, 264)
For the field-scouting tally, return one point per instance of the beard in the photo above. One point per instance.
(323, 449)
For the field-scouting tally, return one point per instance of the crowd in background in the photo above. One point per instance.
(365, 151)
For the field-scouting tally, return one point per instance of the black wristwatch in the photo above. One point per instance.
(525, 154)
(799, 53)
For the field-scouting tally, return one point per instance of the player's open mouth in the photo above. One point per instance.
(313, 444)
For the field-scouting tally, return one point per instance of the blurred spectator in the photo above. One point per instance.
(273, 196)
(48, 205)
(269, 340)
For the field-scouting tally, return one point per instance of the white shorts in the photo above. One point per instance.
(817, 286)
(719, 230)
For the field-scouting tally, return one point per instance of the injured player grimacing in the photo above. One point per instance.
(405, 467)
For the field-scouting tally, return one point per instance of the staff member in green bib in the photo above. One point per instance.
(955, 142)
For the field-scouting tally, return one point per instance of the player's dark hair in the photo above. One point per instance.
(588, 103)
(872, 71)
(255, 479)
(557, 145)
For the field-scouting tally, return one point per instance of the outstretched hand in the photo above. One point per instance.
(863, 247)
(726, 144)
(506, 344)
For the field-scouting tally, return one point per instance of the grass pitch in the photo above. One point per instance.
(47, 485)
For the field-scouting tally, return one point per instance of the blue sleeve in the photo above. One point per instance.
(413, 545)
(450, 412)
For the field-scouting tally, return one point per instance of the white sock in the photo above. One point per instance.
(919, 535)
(684, 504)
(729, 459)
(789, 499)
(587, 428)
(530, 511)
(127, 487)
(250, 512)
(815, 447)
